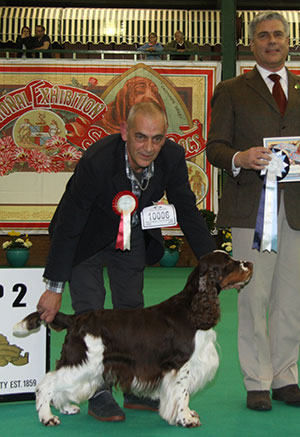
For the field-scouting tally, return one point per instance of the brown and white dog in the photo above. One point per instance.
(165, 352)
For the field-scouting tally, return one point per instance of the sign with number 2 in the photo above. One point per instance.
(23, 361)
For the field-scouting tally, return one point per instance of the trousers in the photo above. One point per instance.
(269, 309)
(125, 272)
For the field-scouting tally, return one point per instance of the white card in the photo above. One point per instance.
(158, 216)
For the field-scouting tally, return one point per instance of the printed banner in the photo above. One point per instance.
(53, 110)
(23, 361)
(245, 66)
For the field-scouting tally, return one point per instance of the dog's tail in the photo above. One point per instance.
(32, 323)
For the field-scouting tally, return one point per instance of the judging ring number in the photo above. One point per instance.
(21, 289)
(159, 215)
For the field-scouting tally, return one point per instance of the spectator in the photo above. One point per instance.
(84, 230)
(25, 42)
(151, 47)
(244, 112)
(42, 42)
(180, 45)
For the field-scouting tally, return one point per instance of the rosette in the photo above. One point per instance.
(266, 229)
(124, 204)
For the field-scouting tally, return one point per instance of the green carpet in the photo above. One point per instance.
(221, 404)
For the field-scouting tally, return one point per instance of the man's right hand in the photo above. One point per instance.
(49, 305)
(255, 158)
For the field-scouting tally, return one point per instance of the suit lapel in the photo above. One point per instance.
(258, 85)
(119, 178)
(293, 92)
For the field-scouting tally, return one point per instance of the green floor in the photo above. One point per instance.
(221, 404)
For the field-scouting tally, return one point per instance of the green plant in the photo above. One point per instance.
(210, 218)
(17, 242)
(172, 243)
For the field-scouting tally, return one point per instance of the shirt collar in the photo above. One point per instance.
(148, 172)
(265, 73)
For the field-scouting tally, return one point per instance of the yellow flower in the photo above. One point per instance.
(172, 243)
(16, 241)
(19, 240)
(14, 234)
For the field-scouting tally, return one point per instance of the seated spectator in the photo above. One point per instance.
(180, 45)
(42, 41)
(151, 47)
(25, 42)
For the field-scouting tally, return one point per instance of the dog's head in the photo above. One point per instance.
(215, 272)
(225, 271)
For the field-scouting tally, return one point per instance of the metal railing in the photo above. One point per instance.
(10, 53)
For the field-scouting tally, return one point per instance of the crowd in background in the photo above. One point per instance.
(31, 46)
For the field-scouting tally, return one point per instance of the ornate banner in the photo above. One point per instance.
(245, 66)
(53, 110)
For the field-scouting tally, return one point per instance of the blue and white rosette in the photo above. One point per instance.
(266, 229)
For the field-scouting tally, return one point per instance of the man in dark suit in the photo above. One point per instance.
(244, 112)
(141, 164)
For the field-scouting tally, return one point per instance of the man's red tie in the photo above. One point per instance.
(278, 93)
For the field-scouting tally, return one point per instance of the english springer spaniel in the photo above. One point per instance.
(165, 352)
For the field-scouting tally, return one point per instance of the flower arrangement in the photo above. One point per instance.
(17, 241)
(172, 243)
(227, 240)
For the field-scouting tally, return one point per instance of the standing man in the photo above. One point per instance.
(244, 112)
(84, 230)
(42, 41)
(180, 45)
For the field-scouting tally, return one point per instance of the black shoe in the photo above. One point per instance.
(290, 394)
(259, 400)
(103, 407)
(134, 403)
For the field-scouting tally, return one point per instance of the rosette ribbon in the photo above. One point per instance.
(124, 204)
(266, 229)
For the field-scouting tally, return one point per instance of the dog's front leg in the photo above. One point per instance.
(43, 397)
(174, 399)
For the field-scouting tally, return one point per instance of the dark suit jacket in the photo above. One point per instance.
(243, 113)
(85, 222)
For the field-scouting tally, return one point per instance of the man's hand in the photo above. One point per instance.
(49, 305)
(255, 158)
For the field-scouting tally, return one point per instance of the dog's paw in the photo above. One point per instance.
(70, 409)
(188, 419)
(53, 421)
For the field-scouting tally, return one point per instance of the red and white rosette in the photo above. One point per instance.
(124, 204)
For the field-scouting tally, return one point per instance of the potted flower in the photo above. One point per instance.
(17, 249)
(172, 245)
(227, 240)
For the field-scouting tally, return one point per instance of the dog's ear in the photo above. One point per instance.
(205, 308)
(203, 267)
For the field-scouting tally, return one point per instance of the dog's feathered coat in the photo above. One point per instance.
(165, 352)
